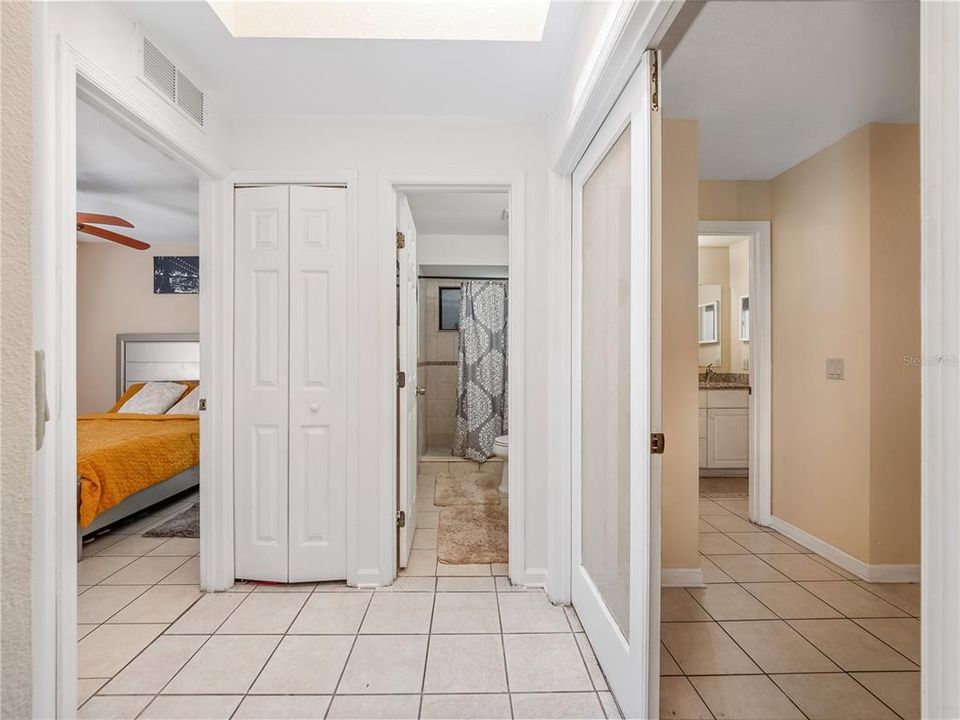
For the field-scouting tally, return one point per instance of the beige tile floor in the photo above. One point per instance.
(779, 632)
(442, 642)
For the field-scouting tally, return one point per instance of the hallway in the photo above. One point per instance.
(779, 632)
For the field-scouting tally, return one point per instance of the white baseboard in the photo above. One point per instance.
(533, 577)
(870, 573)
(681, 577)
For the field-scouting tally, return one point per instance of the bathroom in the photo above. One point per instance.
(723, 320)
(462, 435)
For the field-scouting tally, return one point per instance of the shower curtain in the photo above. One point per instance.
(481, 369)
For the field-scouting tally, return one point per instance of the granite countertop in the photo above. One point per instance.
(725, 381)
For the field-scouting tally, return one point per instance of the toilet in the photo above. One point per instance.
(500, 450)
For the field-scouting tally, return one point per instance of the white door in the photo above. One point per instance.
(407, 355)
(318, 383)
(290, 402)
(616, 397)
(261, 365)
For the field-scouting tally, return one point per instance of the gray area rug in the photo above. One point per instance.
(185, 525)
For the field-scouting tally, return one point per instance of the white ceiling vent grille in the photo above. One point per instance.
(170, 81)
(189, 98)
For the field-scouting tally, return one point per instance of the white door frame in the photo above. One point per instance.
(341, 178)
(390, 184)
(940, 343)
(55, 501)
(761, 411)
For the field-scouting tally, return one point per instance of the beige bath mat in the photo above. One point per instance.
(472, 489)
(725, 487)
(472, 534)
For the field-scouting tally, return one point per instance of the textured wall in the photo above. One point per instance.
(16, 357)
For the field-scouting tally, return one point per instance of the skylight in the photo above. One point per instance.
(497, 20)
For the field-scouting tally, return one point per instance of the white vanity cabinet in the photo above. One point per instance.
(724, 422)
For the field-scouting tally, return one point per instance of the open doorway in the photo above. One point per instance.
(453, 253)
(808, 598)
(138, 397)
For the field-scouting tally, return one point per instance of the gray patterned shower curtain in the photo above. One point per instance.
(481, 369)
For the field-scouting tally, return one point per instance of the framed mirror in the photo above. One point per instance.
(709, 322)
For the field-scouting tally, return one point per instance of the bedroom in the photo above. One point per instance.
(138, 389)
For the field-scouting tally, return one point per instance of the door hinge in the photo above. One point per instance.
(202, 405)
(657, 443)
(401, 240)
(401, 519)
(401, 379)
(654, 81)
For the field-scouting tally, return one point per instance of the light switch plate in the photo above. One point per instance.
(834, 368)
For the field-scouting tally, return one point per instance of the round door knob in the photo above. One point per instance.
(314, 407)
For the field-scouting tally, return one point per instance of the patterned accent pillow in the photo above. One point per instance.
(189, 404)
(154, 398)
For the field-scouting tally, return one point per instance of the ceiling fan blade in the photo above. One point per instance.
(112, 236)
(83, 218)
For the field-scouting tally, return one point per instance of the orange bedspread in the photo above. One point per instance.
(121, 454)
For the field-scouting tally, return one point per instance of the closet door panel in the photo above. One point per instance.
(261, 383)
(318, 383)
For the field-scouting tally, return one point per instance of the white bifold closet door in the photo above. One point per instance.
(290, 404)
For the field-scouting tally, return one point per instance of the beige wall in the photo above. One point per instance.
(821, 309)
(845, 228)
(679, 345)
(16, 358)
(115, 295)
(894, 344)
(846, 284)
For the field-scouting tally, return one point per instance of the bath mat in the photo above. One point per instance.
(472, 534)
(725, 487)
(471, 489)
(184, 525)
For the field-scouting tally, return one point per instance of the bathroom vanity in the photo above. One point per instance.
(724, 426)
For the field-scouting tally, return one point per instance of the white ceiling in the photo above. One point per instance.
(121, 174)
(463, 213)
(276, 76)
(772, 83)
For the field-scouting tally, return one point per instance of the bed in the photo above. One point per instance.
(128, 462)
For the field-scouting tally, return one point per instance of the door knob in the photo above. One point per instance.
(314, 407)
(421, 391)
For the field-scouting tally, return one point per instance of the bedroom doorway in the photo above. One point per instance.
(138, 396)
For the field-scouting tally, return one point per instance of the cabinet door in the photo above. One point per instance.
(728, 438)
(261, 383)
(318, 383)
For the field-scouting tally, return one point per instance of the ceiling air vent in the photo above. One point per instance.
(158, 69)
(170, 81)
(189, 98)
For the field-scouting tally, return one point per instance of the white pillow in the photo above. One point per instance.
(189, 404)
(154, 398)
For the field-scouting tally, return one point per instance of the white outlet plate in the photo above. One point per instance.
(834, 368)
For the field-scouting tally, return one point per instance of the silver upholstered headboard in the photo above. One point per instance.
(156, 356)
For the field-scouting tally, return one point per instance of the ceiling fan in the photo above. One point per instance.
(86, 223)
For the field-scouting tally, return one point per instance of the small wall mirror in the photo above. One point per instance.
(744, 318)
(709, 322)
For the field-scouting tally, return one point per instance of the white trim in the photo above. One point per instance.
(940, 339)
(349, 179)
(633, 28)
(513, 184)
(864, 571)
(681, 577)
(761, 361)
(55, 567)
